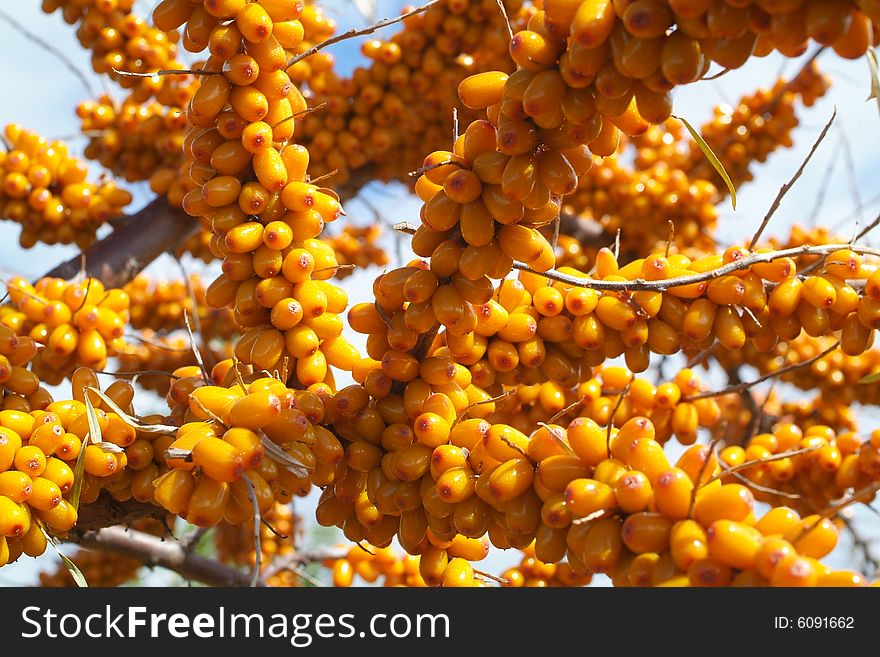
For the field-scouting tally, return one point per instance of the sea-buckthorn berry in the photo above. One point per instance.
(688, 543)
(727, 502)
(734, 543)
(586, 496)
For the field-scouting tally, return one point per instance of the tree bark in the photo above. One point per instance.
(136, 241)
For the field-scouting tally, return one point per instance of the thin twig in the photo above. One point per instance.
(864, 546)
(48, 47)
(851, 173)
(749, 464)
(195, 349)
(663, 285)
(819, 203)
(258, 550)
(197, 322)
(156, 343)
(766, 489)
(623, 394)
(784, 189)
(832, 510)
(429, 167)
(353, 33)
(296, 115)
(189, 542)
(491, 400)
(566, 410)
(506, 18)
(494, 578)
(745, 385)
(867, 229)
(166, 71)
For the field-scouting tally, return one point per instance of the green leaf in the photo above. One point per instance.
(75, 572)
(72, 568)
(875, 75)
(713, 159)
(870, 378)
(78, 475)
(94, 428)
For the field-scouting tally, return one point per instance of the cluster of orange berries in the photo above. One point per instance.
(761, 123)
(372, 564)
(532, 572)
(443, 563)
(356, 245)
(21, 387)
(621, 60)
(45, 189)
(102, 569)
(121, 40)
(741, 419)
(824, 466)
(641, 199)
(249, 184)
(837, 375)
(38, 452)
(161, 305)
(155, 356)
(670, 179)
(99, 569)
(278, 534)
(265, 437)
(137, 141)
(382, 117)
(78, 323)
(614, 391)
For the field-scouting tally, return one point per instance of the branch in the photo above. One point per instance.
(107, 512)
(739, 387)
(832, 510)
(137, 241)
(784, 189)
(154, 551)
(294, 561)
(48, 47)
(663, 285)
(352, 33)
(762, 461)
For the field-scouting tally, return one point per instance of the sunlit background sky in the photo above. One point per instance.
(40, 92)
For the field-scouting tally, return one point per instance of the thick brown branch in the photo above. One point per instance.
(106, 512)
(135, 243)
(154, 551)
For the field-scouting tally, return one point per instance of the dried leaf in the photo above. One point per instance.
(94, 428)
(285, 459)
(78, 476)
(72, 568)
(875, 75)
(133, 422)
